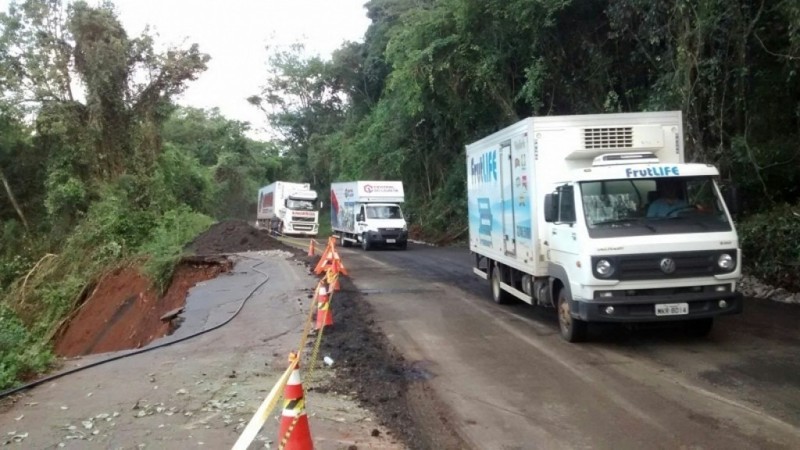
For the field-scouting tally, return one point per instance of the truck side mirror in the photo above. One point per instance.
(730, 194)
(359, 217)
(551, 207)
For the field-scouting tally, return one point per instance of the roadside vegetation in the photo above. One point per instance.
(115, 173)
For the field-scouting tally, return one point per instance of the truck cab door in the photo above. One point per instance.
(361, 220)
(563, 236)
(509, 200)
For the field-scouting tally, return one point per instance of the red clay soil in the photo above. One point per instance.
(124, 310)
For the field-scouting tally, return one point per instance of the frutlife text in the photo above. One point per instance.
(661, 171)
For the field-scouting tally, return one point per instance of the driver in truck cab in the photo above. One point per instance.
(668, 202)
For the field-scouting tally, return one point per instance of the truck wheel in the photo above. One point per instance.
(572, 329)
(365, 244)
(499, 296)
(345, 243)
(403, 246)
(700, 327)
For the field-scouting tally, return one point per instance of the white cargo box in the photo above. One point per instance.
(509, 173)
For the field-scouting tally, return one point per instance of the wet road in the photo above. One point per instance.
(510, 382)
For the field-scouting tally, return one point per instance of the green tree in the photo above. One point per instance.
(217, 150)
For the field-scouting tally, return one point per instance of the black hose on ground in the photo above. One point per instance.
(33, 384)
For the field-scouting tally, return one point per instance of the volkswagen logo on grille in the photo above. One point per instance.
(667, 265)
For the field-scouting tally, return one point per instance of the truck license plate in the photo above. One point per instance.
(672, 309)
(390, 241)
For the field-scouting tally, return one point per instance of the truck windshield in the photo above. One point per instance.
(384, 212)
(652, 206)
(300, 204)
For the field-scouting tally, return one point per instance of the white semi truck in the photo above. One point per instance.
(368, 213)
(600, 217)
(288, 208)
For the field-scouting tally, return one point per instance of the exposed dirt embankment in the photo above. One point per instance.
(124, 309)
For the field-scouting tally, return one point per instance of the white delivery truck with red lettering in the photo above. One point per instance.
(600, 217)
(368, 213)
(288, 208)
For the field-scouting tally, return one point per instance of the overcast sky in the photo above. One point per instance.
(235, 33)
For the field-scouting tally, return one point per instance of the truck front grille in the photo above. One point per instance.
(650, 266)
(303, 219)
(390, 233)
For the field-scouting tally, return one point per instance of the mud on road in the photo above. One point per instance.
(368, 367)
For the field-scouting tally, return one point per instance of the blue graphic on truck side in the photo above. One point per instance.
(484, 170)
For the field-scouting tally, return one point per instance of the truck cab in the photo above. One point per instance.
(301, 215)
(381, 223)
(633, 240)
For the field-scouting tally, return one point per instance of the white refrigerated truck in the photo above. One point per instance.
(368, 213)
(288, 208)
(600, 217)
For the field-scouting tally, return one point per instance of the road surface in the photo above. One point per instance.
(199, 393)
(508, 381)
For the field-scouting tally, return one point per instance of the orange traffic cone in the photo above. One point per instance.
(311, 248)
(324, 313)
(341, 269)
(294, 432)
(327, 257)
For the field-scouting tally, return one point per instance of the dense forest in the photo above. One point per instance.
(99, 167)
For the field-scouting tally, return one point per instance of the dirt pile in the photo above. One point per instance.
(231, 236)
(368, 367)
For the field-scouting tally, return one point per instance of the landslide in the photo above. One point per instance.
(123, 309)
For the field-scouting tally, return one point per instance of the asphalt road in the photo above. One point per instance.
(508, 381)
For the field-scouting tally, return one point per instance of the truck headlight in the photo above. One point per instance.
(405, 227)
(604, 268)
(726, 262)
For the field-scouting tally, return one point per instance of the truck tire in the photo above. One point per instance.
(365, 244)
(403, 246)
(499, 296)
(572, 329)
(344, 242)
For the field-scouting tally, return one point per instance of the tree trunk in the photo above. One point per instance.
(13, 200)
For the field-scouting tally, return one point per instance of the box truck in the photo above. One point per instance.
(600, 217)
(368, 213)
(288, 208)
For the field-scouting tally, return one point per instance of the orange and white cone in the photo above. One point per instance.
(324, 313)
(327, 258)
(294, 432)
(311, 248)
